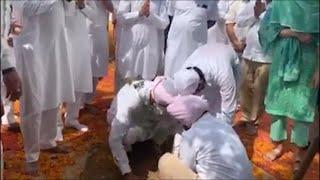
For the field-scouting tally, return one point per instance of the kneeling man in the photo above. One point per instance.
(208, 149)
(137, 114)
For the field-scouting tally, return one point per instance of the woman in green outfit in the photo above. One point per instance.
(290, 33)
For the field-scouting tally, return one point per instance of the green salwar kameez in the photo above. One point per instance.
(289, 93)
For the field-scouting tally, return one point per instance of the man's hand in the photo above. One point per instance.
(131, 176)
(304, 37)
(239, 46)
(145, 9)
(13, 84)
(315, 80)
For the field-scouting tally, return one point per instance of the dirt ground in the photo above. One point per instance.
(91, 157)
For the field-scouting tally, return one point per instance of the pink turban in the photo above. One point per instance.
(188, 109)
(163, 91)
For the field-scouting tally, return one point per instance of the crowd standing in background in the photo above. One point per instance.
(183, 68)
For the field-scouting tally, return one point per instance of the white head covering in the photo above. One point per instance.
(186, 81)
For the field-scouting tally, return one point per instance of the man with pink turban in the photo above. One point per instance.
(138, 114)
(208, 149)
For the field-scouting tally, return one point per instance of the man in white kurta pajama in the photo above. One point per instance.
(135, 116)
(208, 149)
(99, 39)
(188, 31)
(80, 50)
(215, 61)
(43, 63)
(142, 39)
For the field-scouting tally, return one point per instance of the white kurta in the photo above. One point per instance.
(217, 33)
(142, 39)
(42, 58)
(133, 119)
(79, 46)
(215, 61)
(188, 31)
(99, 39)
(213, 150)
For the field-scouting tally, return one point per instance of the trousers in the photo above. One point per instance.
(39, 131)
(253, 88)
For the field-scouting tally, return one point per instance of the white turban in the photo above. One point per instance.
(186, 81)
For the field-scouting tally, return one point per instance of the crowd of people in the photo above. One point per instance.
(183, 68)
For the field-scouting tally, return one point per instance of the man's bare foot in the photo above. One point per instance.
(274, 154)
(59, 149)
(32, 169)
(14, 127)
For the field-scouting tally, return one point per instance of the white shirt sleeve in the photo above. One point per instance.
(228, 96)
(245, 17)
(33, 8)
(223, 7)
(117, 133)
(127, 99)
(232, 13)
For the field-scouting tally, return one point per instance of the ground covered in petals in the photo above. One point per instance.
(91, 158)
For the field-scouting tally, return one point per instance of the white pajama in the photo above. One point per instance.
(39, 132)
